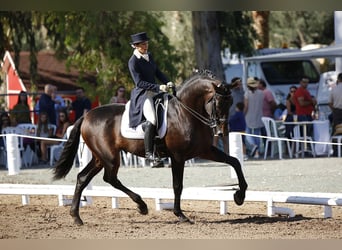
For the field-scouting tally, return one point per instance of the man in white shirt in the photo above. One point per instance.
(335, 102)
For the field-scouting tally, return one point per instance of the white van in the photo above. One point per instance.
(281, 71)
(280, 74)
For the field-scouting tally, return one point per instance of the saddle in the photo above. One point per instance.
(161, 105)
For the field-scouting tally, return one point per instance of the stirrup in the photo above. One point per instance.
(153, 162)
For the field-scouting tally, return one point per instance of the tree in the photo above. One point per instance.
(260, 19)
(178, 28)
(99, 42)
(299, 28)
(17, 30)
(92, 42)
(214, 31)
(207, 42)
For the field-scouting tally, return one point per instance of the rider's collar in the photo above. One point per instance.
(139, 55)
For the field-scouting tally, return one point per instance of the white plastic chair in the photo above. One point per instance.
(29, 155)
(53, 127)
(18, 131)
(55, 150)
(272, 131)
(297, 136)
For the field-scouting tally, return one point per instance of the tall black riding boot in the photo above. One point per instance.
(150, 131)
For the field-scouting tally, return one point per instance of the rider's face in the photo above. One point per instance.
(142, 47)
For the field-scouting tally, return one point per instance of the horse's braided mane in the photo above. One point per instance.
(200, 74)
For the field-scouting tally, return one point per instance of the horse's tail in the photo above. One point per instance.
(66, 160)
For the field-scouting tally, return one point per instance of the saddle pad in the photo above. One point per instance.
(138, 133)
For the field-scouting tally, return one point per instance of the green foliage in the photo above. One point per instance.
(299, 28)
(237, 32)
(178, 28)
(99, 42)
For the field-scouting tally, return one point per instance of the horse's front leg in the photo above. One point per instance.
(177, 182)
(217, 155)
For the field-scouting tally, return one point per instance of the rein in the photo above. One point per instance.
(211, 122)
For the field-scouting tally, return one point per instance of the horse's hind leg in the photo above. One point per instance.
(83, 179)
(110, 176)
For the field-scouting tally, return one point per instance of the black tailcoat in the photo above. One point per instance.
(144, 74)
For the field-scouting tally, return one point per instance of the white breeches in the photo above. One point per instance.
(148, 110)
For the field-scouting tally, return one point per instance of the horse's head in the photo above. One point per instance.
(222, 102)
(204, 90)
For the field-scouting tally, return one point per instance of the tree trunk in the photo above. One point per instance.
(261, 27)
(207, 42)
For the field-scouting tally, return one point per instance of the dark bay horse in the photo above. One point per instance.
(201, 101)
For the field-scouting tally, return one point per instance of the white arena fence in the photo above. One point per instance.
(160, 195)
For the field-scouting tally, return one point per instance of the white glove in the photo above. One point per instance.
(163, 88)
(170, 85)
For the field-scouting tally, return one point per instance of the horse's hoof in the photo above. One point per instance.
(143, 209)
(239, 198)
(78, 221)
(184, 219)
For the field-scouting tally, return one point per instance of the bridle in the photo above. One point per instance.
(211, 121)
(214, 118)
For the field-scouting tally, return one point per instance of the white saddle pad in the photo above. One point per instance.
(138, 133)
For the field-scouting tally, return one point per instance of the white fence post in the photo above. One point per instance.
(235, 150)
(13, 154)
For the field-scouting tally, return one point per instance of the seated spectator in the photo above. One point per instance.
(21, 111)
(119, 96)
(44, 129)
(63, 124)
(4, 123)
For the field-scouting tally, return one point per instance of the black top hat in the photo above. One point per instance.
(139, 37)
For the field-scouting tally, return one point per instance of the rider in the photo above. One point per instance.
(144, 70)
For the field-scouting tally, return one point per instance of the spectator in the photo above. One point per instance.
(59, 102)
(82, 103)
(304, 103)
(269, 104)
(237, 123)
(253, 112)
(119, 96)
(290, 112)
(335, 103)
(21, 111)
(237, 94)
(46, 103)
(43, 130)
(43, 126)
(4, 123)
(63, 124)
